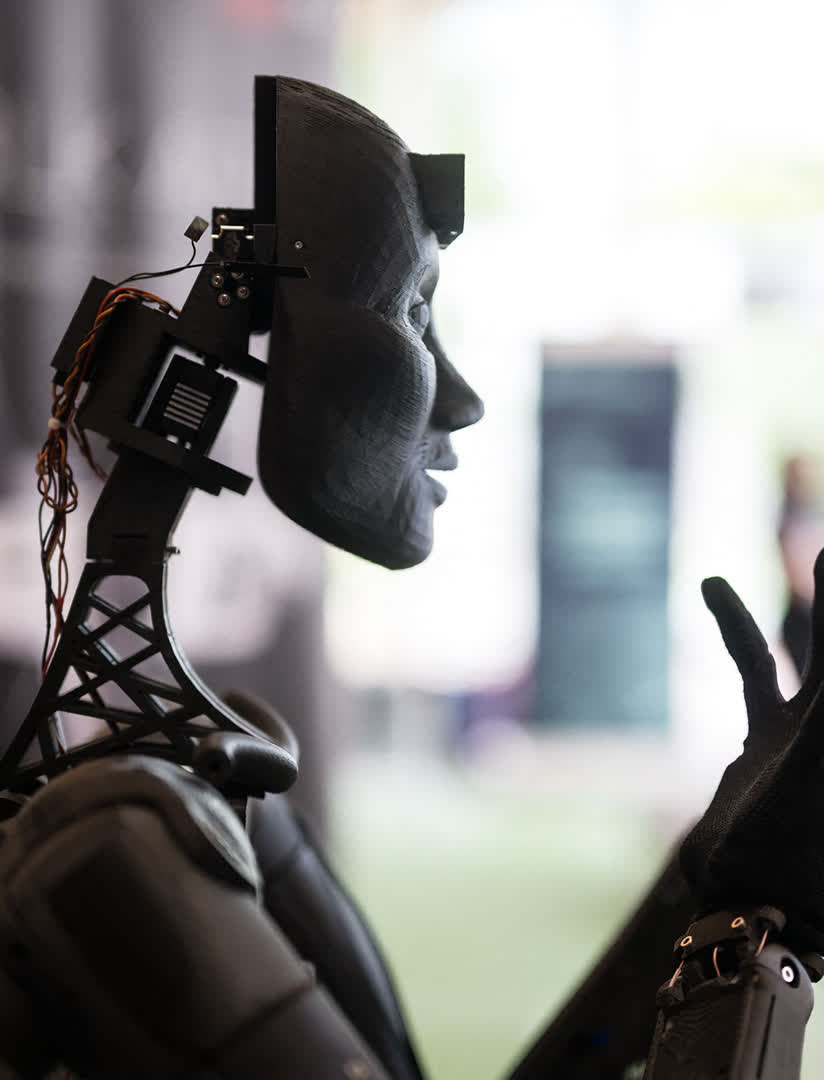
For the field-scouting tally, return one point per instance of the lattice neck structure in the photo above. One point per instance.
(118, 680)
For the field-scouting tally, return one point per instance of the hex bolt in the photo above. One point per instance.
(217, 280)
(224, 299)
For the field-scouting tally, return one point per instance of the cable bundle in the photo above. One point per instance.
(55, 479)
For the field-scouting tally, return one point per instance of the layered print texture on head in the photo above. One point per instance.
(360, 398)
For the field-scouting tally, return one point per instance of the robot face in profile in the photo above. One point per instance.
(360, 398)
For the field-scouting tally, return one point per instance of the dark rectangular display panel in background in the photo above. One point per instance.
(606, 489)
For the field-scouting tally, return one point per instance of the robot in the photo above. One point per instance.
(163, 912)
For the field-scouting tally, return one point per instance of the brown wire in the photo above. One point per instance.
(672, 981)
(55, 478)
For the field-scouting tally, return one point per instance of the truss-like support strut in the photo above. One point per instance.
(118, 680)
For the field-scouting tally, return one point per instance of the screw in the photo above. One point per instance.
(237, 275)
(298, 244)
(242, 292)
(224, 299)
(216, 280)
(788, 973)
(222, 219)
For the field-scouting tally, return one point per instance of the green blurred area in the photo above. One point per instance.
(491, 904)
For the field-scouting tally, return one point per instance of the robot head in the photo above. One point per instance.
(360, 398)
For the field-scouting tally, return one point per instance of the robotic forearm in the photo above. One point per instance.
(737, 1004)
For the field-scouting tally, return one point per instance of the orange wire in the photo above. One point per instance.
(55, 479)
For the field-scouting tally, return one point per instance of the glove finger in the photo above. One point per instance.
(745, 643)
(814, 668)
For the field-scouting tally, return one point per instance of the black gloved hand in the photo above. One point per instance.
(761, 840)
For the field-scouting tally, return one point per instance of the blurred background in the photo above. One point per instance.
(502, 744)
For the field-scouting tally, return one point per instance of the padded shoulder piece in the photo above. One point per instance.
(200, 818)
(130, 924)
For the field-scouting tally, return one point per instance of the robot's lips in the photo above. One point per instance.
(445, 463)
(443, 459)
(438, 489)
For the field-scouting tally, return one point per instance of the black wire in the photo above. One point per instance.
(44, 538)
(164, 273)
